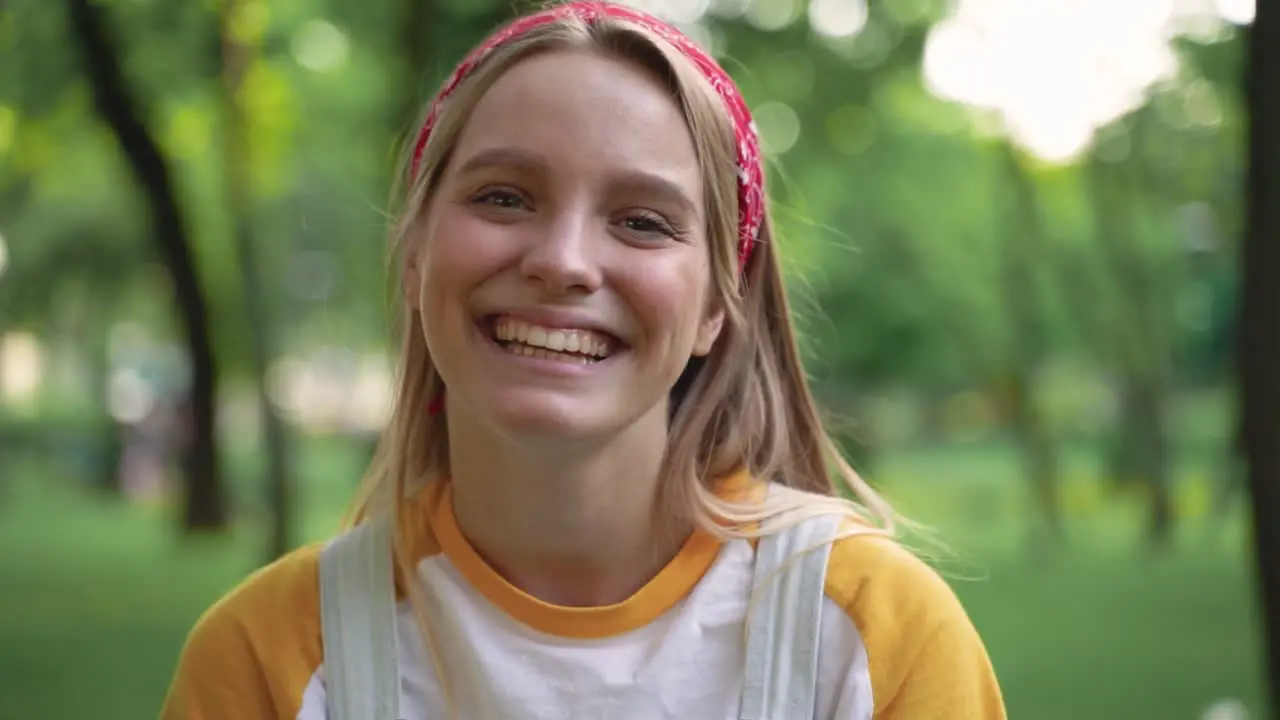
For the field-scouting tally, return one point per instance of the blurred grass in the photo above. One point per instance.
(1100, 627)
(98, 597)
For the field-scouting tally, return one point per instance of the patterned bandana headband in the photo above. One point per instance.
(750, 170)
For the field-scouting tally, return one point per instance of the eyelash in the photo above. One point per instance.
(653, 223)
(485, 198)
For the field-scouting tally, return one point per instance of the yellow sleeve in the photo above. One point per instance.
(253, 653)
(924, 655)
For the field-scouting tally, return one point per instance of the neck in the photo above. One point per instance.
(577, 526)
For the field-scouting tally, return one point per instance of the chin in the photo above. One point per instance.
(543, 418)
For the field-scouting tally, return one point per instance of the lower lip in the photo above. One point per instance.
(544, 365)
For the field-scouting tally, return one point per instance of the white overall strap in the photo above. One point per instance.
(786, 622)
(358, 625)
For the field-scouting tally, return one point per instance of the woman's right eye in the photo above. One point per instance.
(504, 199)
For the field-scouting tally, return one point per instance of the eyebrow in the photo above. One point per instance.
(529, 161)
(503, 157)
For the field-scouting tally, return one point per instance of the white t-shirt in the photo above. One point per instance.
(895, 644)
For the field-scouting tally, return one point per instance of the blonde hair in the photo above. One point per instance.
(747, 404)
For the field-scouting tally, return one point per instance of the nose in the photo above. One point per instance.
(562, 256)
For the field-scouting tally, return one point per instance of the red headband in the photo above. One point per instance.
(750, 169)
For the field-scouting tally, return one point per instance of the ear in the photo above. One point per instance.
(709, 331)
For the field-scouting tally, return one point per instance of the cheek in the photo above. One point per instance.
(458, 253)
(670, 302)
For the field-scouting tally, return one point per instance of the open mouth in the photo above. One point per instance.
(568, 345)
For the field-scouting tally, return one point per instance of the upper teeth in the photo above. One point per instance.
(586, 342)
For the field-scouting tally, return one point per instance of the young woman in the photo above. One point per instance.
(601, 430)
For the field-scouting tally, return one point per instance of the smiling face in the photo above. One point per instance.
(562, 268)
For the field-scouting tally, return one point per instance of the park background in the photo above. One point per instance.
(1012, 228)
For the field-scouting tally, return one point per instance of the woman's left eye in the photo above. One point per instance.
(648, 224)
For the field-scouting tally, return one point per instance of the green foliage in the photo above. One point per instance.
(894, 204)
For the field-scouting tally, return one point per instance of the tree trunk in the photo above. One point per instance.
(237, 176)
(1259, 341)
(1152, 301)
(109, 480)
(1138, 342)
(204, 501)
(1039, 452)
(1123, 463)
(1151, 418)
(1030, 429)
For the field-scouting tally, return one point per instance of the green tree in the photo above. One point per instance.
(205, 506)
(1259, 348)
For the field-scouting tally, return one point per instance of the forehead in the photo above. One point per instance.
(578, 108)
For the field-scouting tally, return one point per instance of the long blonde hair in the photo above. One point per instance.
(746, 405)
